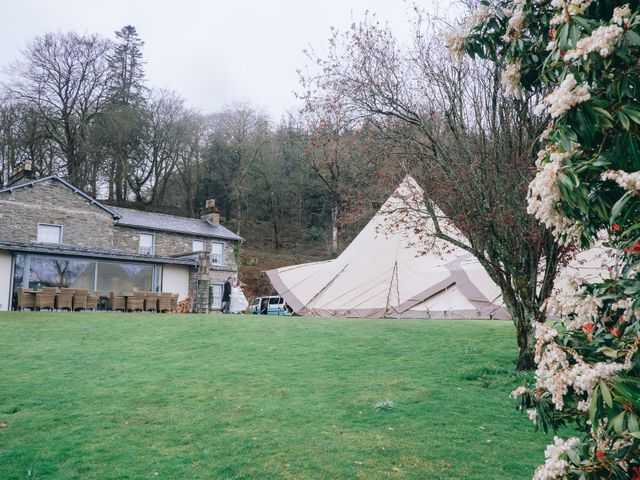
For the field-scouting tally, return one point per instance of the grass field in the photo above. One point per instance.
(110, 396)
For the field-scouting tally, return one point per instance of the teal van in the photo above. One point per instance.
(273, 305)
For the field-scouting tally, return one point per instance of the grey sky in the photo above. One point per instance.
(212, 52)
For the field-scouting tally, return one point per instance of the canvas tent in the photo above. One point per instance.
(383, 273)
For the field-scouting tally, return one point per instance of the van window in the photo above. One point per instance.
(274, 300)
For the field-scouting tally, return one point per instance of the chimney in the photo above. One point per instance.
(210, 211)
(22, 173)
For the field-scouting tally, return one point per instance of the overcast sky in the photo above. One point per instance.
(212, 52)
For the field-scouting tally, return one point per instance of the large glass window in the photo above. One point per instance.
(37, 271)
(124, 277)
(61, 272)
(49, 233)
(146, 244)
(217, 253)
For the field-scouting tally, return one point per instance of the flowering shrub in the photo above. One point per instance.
(580, 61)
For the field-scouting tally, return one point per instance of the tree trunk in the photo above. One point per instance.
(524, 313)
(335, 206)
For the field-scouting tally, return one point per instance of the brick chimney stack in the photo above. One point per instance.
(210, 211)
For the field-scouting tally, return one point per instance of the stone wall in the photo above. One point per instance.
(83, 224)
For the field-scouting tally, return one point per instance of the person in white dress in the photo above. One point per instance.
(239, 302)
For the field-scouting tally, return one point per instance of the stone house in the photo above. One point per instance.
(53, 234)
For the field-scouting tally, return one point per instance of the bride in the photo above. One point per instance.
(238, 301)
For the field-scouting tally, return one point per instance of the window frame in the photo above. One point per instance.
(153, 243)
(218, 256)
(204, 246)
(60, 231)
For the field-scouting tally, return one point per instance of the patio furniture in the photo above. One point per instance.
(135, 302)
(64, 299)
(174, 302)
(80, 299)
(26, 299)
(116, 302)
(46, 298)
(164, 302)
(151, 301)
(92, 301)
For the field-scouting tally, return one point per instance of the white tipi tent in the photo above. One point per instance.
(383, 274)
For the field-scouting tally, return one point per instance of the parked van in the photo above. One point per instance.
(274, 305)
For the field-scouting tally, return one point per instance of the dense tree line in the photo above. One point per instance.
(79, 106)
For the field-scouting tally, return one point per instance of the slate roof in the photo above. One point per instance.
(76, 251)
(172, 223)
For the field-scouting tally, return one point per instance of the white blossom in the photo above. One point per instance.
(555, 465)
(566, 96)
(559, 370)
(478, 17)
(455, 41)
(518, 392)
(572, 303)
(568, 8)
(621, 15)
(602, 40)
(511, 78)
(533, 414)
(517, 19)
(456, 37)
(628, 181)
(544, 196)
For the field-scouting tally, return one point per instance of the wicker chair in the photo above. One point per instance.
(64, 300)
(116, 302)
(135, 302)
(80, 299)
(151, 301)
(46, 298)
(174, 302)
(26, 299)
(164, 302)
(92, 301)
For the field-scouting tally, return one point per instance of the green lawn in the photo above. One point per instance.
(114, 396)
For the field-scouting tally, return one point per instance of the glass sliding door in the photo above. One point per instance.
(215, 297)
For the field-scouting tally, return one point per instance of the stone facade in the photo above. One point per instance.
(89, 226)
(83, 224)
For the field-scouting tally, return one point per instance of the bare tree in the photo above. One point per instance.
(451, 126)
(65, 78)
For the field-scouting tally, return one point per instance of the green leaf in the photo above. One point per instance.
(603, 112)
(624, 120)
(618, 421)
(593, 406)
(632, 113)
(610, 352)
(619, 205)
(606, 394)
(632, 423)
(633, 38)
